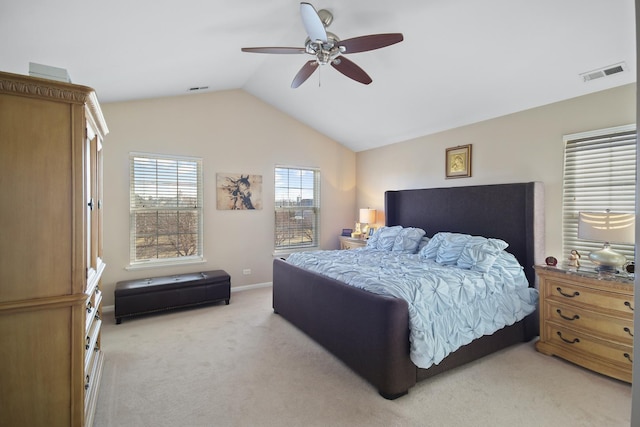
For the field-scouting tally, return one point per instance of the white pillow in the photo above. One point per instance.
(407, 240)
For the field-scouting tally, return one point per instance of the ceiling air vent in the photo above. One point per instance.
(604, 72)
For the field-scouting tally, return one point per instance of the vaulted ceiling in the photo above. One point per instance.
(461, 61)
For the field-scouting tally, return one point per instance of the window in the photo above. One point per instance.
(599, 174)
(297, 208)
(165, 209)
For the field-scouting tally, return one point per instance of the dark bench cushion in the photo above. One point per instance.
(139, 286)
(133, 297)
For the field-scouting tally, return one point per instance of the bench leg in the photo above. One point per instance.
(226, 301)
(118, 320)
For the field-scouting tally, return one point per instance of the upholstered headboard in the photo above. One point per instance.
(511, 212)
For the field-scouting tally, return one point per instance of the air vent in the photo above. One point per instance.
(604, 72)
(49, 72)
(193, 89)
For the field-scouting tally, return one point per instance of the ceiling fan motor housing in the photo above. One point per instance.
(325, 52)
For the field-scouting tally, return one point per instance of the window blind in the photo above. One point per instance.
(165, 208)
(297, 207)
(599, 174)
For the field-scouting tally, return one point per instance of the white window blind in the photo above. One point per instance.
(165, 208)
(599, 174)
(297, 207)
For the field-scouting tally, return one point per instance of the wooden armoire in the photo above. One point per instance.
(50, 251)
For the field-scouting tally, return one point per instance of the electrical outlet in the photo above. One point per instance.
(246, 271)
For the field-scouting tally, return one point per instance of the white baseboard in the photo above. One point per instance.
(110, 308)
(249, 287)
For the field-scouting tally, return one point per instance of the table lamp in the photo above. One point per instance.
(607, 227)
(367, 216)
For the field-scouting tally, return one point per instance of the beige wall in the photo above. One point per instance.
(232, 132)
(235, 132)
(521, 147)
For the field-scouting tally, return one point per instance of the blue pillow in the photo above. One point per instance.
(423, 243)
(451, 248)
(372, 243)
(385, 233)
(430, 250)
(480, 255)
(387, 237)
(407, 240)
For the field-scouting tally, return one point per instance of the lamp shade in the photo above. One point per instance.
(609, 227)
(367, 216)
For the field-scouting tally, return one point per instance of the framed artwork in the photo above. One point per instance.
(237, 191)
(458, 161)
(347, 232)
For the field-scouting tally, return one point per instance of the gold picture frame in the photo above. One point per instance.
(458, 161)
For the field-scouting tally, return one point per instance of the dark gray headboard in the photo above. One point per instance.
(511, 212)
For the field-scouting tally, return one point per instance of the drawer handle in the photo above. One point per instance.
(574, 341)
(627, 330)
(628, 304)
(575, 316)
(628, 357)
(575, 293)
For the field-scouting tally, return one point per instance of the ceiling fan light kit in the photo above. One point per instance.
(328, 48)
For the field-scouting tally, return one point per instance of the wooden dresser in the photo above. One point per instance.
(51, 265)
(587, 319)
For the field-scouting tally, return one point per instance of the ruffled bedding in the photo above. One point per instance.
(449, 306)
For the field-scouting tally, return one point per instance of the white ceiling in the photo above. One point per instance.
(461, 61)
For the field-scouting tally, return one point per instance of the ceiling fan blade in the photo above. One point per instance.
(304, 73)
(351, 70)
(274, 49)
(370, 42)
(312, 23)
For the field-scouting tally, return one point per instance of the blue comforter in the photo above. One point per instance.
(448, 306)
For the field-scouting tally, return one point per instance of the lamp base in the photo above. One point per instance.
(607, 260)
(606, 269)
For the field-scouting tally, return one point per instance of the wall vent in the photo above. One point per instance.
(604, 72)
(49, 72)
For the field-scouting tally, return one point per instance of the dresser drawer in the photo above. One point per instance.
(578, 342)
(610, 327)
(587, 319)
(92, 344)
(93, 308)
(571, 293)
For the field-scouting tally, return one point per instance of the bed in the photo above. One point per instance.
(370, 332)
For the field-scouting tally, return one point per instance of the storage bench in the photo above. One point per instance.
(133, 297)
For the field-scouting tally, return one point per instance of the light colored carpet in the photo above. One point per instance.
(243, 365)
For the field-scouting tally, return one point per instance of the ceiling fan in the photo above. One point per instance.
(328, 48)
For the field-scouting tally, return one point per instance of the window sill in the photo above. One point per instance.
(285, 253)
(160, 264)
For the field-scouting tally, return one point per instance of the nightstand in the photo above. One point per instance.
(351, 243)
(587, 319)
